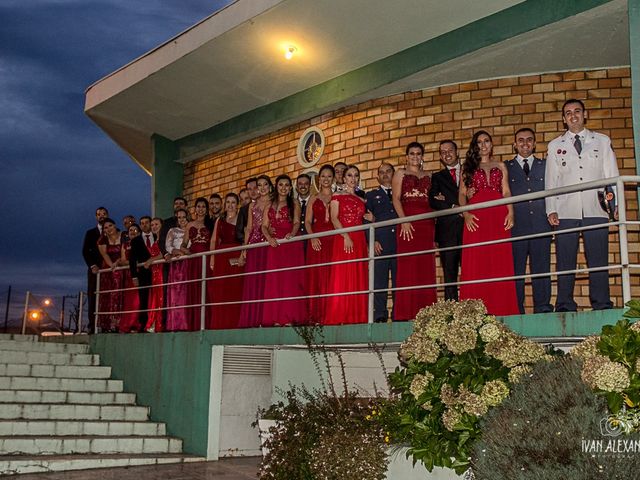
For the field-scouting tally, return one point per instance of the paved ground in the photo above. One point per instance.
(228, 469)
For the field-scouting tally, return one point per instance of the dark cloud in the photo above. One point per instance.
(56, 165)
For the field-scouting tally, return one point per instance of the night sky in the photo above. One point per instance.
(57, 166)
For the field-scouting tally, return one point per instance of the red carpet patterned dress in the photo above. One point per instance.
(348, 277)
(415, 269)
(319, 278)
(225, 289)
(490, 261)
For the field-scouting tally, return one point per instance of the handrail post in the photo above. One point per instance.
(623, 239)
(26, 312)
(97, 304)
(203, 291)
(372, 273)
(80, 311)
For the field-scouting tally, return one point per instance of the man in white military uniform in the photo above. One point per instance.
(579, 156)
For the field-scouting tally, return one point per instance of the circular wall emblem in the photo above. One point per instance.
(310, 147)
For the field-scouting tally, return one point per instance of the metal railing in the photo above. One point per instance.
(622, 224)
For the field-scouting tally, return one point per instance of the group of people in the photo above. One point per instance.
(324, 280)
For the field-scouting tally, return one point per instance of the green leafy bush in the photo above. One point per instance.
(546, 429)
(458, 363)
(612, 369)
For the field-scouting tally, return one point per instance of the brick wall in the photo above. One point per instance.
(378, 130)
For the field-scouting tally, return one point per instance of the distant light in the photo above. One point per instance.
(288, 54)
(47, 302)
(35, 315)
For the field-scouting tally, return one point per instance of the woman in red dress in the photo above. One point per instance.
(281, 220)
(156, 296)
(228, 289)
(319, 250)
(410, 187)
(483, 179)
(348, 210)
(111, 302)
(196, 240)
(130, 299)
(255, 260)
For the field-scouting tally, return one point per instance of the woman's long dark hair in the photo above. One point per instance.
(472, 158)
(274, 195)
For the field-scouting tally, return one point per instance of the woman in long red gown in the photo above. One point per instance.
(255, 260)
(110, 303)
(156, 295)
(348, 210)
(177, 318)
(483, 179)
(130, 298)
(319, 250)
(196, 240)
(220, 290)
(410, 189)
(282, 221)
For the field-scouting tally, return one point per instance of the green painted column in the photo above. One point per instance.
(167, 176)
(634, 51)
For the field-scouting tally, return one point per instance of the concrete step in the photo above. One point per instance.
(77, 427)
(60, 396)
(56, 411)
(16, 337)
(69, 445)
(60, 371)
(47, 358)
(11, 465)
(35, 346)
(68, 384)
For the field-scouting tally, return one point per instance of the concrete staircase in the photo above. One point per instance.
(59, 410)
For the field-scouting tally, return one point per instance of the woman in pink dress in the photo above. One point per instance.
(229, 289)
(282, 221)
(196, 240)
(319, 250)
(255, 259)
(110, 303)
(348, 210)
(410, 187)
(130, 299)
(156, 296)
(483, 179)
(177, 290)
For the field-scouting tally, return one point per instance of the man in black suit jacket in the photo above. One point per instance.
(379, 203)
(93, 259)
(243, 214)
(303, 193)
(443, 196)
(140, 275)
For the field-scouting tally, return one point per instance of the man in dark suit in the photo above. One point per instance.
(243, 214)
(141, 276)
(443, 196)
(379, 203)
(526, 175)
(93, 259)
(303, 192)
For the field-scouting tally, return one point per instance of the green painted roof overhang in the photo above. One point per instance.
(403, 69)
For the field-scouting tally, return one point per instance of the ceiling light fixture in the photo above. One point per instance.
(288, 54)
